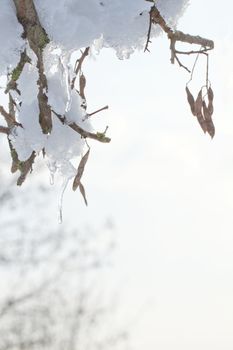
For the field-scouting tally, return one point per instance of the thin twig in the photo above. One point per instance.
(148, 41)
(99, 136)
(88, 115)
(79, 65)
(181, 64)
(15, 74)
(193, 52)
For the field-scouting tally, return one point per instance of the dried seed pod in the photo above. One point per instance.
(209, 122)
(211, 128)
(191, 100)
(80, 171)
(210, 98)
(83, 193)
(82, 85)
(202, 122)
(198, 112)
(198, 103)
(205, 111)
(210, 94)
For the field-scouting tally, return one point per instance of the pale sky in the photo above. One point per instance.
(168, 188)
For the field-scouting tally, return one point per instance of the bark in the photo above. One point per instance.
(37, 39)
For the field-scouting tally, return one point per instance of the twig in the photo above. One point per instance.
(193, 52)
(4, 130)
(79, 65)
(25, 168)
(174, 36)
(181, 64)
(148, 41)
(88, 115)
(10, 120)
(85, 134)
(190, 39)
(15, 74)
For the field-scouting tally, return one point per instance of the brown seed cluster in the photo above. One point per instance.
(201, 110)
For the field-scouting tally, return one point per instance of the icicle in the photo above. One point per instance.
(51, 179)
(60, 203)
(52, 169)
(65, 71)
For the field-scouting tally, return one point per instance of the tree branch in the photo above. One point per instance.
(174, 36)
(78, 65)
(99, 136)
(38, 39)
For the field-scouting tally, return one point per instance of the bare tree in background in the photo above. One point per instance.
(53, 280)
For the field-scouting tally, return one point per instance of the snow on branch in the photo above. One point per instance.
(47, 111)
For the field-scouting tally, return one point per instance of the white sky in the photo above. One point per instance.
(168, 188)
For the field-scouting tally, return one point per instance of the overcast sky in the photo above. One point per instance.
(168, 188)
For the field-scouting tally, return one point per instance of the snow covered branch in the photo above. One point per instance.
(37, 38)
(99, 136)
(47, 111)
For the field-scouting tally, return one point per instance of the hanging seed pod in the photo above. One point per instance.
(209, 122)
(191, 100)
(83, 192)
(198, 103)
(80, 171)
(198, 112)
(205, 111)
(82, 85)
(210, 98)
(211, 129)
(210, 94)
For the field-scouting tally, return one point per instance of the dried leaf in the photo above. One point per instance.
(83, 193)
(191, 100)
(80, 171)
